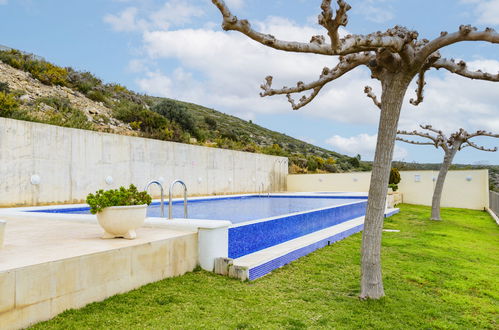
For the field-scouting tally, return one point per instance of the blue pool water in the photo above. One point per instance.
(239, 209)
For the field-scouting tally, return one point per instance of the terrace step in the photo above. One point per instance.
(255, 265)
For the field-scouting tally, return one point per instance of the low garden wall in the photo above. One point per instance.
(465, 189)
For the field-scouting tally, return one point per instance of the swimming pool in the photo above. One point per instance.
(259, 222)
(234, 209)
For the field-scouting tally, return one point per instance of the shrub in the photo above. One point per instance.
(394, 176)
(354, 161)
(394, 179)
(117, 197)
(4, 87)
(212, 123)
(176, 112)
(131, 112)
(97, 96)
(312, 165)
(82, 81)
(64, 114)
(8, 104)
(50, 74)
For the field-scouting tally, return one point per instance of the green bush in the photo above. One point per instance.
(97, 96)
(394, 176)
(64, 114)
(178, 113)
(394, 179)
(8, 104)
(131, 112)
(82, 81)
(312, 165)
(212, 123)
(4, 87)
(117, 197)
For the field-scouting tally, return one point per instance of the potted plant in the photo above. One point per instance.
(119, 211)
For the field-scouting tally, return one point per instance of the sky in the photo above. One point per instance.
(177, 49)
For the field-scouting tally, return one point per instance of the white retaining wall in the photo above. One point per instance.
(71, 163)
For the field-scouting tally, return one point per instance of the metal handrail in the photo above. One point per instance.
(162, 206)
(170, 196)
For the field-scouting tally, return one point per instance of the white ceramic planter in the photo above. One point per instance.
(2, 231)
(121, 221)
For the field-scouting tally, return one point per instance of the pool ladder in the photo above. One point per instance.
(170, 197)
(162, 205)
(261, 190)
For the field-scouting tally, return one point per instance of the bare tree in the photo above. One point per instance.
(451, 145)
(394, 57)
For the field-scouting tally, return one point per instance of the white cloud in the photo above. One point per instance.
(452, 102)
(232, 68)
(171, 13)
(235, 4)
(3, 2)
(372, 12)
(487, 11)
(362, 144)
(125, 21)
(174, 12)
(156, 83)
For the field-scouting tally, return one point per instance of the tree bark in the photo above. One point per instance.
(439, 186)
(371, 277)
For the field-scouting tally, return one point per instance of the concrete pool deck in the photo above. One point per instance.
(48, 266)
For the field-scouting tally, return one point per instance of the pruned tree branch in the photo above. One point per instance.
(482, 133)
(304, 100)
(461, 69)
(231, 22)
(419, 90)
(414, 142)
(333, 24)
(393, 39)
(456, 141)
(369, 92)
(465, 33)
(472, 144)
(346, 64)
(430, 128)
(422, 134)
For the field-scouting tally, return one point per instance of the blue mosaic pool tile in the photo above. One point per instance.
(269, 266)
(253, 237)
(393, 212)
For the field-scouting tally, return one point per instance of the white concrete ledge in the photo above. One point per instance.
(186, 224)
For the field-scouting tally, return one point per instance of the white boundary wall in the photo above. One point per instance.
(463, 189)
(72, 163)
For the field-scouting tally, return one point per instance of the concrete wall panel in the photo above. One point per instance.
(72, 163)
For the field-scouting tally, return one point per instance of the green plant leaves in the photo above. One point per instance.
(117, 197)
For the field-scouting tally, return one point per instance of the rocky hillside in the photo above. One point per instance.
(36, 90)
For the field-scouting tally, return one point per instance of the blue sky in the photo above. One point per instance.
(176, 48)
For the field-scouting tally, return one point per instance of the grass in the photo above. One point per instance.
(437, 275)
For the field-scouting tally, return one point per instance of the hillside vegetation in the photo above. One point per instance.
(36, 90)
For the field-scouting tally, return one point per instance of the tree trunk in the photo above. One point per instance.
(439, 186)
(392, 97)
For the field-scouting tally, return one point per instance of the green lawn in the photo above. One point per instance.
(436, 274)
